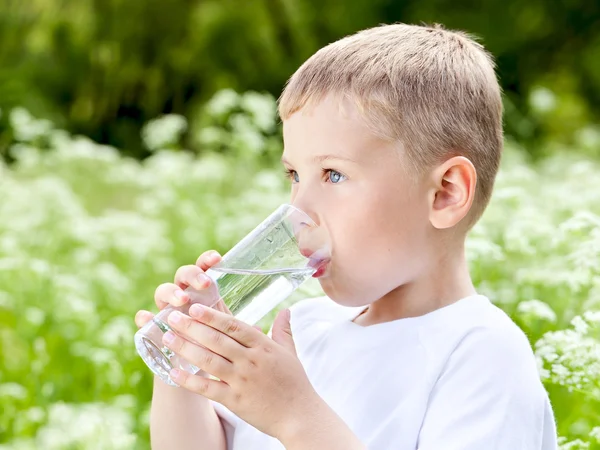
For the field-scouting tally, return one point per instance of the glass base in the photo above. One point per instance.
(159, 359)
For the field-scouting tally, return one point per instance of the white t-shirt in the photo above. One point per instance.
(462, 377)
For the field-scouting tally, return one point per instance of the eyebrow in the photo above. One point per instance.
(322, 158)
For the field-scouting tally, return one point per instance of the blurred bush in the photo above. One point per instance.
(104, 68)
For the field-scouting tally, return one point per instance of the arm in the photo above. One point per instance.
(182, 420)
(320, 429)
(489, 396)
(178, 418)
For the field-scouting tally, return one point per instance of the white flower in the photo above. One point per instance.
(537, 309)
(571, 358)
(577, 444)
(245, 134)
(580, 325)
(164, 131)
(542, 99)
(14, 390)
(223, 102)
(93, 426)
(35, 316)
(263, 109)
(117, 332)
(592, 317)
(27, 128)
(588, 136)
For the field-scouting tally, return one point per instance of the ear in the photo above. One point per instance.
(452, 192)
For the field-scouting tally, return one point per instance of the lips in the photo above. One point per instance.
(317, 260)
(321, 270)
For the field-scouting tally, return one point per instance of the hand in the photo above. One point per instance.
(260, 379)
(173, 294)
(186, 276)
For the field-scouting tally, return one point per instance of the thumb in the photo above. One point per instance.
(282, 331)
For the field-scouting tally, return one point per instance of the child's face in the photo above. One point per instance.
(354, 184)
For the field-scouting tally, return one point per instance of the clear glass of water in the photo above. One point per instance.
(252, 278)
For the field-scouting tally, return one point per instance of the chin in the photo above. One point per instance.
(342, 296)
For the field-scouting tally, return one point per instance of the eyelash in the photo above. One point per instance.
(289, 173)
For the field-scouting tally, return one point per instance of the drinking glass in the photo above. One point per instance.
(251, 279)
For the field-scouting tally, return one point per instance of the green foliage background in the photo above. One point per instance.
(104, 68)
(126, 154)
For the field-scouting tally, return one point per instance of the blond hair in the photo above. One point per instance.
(433, 90)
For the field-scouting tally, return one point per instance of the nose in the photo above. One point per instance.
(314, 242)
(305, 222)
(300, 223)
(303, 227)
(307, 204)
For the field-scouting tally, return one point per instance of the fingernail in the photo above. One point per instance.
(174, 373)
(179, 294)
(213, 255)
(203, 280)
(175, 317)
(196, 310)
(169, 337)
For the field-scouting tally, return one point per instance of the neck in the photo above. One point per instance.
(446, 281)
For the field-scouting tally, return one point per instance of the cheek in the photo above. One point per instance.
(376, 248)
(379, 229)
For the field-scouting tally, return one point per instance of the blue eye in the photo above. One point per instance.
(335, 177)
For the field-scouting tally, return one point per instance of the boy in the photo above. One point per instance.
(392, 140)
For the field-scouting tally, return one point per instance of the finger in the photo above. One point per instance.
(226, 324)
(169, 294)
(211, 389)
(221, 306)
(192, 276)
(199, 356)
(208, 259)
(142, 318)
(202, 334)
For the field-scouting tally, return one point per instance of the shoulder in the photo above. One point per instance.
(474, 335)
(501, 351)
(487, 341)
(497, 335)
(486, 391)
